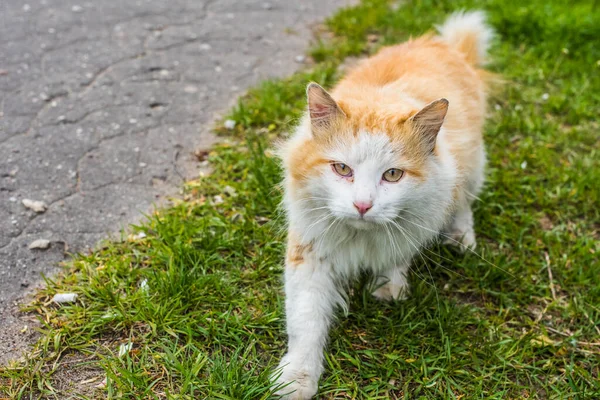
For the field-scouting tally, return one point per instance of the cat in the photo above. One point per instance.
(376, 170)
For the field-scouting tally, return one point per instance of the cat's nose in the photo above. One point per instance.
(363, 206)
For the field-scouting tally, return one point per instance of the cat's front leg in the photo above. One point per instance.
(311, 296)
(460, 231)
(392, 284)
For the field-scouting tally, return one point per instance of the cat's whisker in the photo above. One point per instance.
(313, 210)
(324, 234)
(314, 198)
(390, 240)
(418, 251)
(397, 248)
(395, 244)
(459, 244)
(473, 196)
(445, 259)
(435, 254)
(318, 221)
(425, 248)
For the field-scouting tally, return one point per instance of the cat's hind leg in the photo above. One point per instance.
(392, 284)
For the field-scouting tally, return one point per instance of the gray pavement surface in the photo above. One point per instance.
(102, 104)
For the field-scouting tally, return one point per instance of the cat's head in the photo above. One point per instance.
(365, 164)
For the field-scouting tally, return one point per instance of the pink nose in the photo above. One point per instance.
(363, 206)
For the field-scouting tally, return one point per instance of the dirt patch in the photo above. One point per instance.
(18, 333)
(78, 374)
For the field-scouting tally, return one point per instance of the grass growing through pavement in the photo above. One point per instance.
(199, 298)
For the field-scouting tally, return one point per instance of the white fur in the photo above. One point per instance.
(311, 296)
(470, 23)
(405, 216)
(324, 214)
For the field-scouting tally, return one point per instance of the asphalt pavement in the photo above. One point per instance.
(102, 105)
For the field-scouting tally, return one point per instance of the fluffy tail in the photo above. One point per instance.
(468, 33)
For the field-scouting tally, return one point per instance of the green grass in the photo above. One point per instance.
(494, 325)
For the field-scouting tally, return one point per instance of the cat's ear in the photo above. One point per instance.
(428, 122)
(322, 108)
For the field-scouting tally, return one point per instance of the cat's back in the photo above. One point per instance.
(418, 72)
(427, 57)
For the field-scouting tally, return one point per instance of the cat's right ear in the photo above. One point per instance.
(322, 108)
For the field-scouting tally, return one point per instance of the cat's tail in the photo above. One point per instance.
(468, 33)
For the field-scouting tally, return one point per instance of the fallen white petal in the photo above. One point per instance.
(229, 124)
(124, 349)
(230, 191)
(64, 297)
(139, 235)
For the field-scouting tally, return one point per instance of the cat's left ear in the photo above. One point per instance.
(428, 122)
(322, 107)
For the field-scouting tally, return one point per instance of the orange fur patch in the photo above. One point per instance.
(296, 252)
(304, 160)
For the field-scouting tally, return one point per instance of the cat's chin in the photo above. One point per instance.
(361, 224)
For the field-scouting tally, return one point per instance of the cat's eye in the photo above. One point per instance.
(342, 169)
(392, 175)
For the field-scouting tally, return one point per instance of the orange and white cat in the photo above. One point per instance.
(376, 170)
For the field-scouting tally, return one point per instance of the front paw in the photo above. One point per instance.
(295, 383)
(391, 291)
